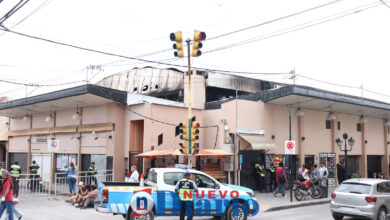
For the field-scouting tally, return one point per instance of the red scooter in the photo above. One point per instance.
(305, 189)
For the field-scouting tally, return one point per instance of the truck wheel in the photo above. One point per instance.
(241, 213)
(130, 216)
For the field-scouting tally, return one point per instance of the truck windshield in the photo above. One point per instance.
(171, 178)
(152, 176)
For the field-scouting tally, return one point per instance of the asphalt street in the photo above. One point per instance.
(44, 209)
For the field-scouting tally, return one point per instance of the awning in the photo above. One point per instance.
(214, 153)
(258, 141)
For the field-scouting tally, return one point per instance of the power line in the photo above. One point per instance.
(274, 20)
(250, 27)
(40, 85)
(385, 3)
(131, 58)
(297, 27)
(44, 4)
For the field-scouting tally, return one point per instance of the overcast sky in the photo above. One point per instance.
(352, 49)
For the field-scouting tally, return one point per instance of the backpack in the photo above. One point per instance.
(281, 177)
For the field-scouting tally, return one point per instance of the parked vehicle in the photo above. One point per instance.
(305, 189)
(367, 198)
(212, 199)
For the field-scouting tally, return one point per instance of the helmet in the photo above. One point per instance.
(187, 174)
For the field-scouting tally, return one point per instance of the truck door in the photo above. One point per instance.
(168, 187)
(207, 195)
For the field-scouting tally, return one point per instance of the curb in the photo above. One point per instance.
(278, 208)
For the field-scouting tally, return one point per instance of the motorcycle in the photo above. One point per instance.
(305, 189)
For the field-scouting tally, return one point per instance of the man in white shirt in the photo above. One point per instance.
(134, 175)
(323, 171)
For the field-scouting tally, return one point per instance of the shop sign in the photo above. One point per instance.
(41, 138)
(289, 147)
(53, 145)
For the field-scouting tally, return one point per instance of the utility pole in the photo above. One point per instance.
(191, 135)
(189, 152)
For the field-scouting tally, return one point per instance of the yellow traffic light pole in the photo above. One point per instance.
(189, 153)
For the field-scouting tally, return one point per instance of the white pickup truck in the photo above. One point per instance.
(212, 198)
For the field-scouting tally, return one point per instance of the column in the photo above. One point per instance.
(79, 143)
(385, 158)
(301, 146)
(29, 156)
(363, 157)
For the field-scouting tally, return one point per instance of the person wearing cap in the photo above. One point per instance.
(82, 192)
(185, 188)
(92, 171)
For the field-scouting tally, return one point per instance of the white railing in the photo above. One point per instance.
(61, 183)
(32, 185)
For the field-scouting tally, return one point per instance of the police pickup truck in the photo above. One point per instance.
(158, 198)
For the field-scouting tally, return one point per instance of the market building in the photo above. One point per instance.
(138, 111)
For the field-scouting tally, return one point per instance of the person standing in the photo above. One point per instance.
(272, 177)
(185, 189)
(134, 175)
(324, 180)
(34, 175)
(260, 170)
(281, 180)
(15, 173)
(341, 172)
(7, 196)
(92, 171)
(72, 178)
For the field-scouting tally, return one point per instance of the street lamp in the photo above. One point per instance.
(350, 141)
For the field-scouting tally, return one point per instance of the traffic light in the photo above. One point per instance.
(195, 131)
(198, 38)
(177, 36)
(184, 148)
(183, 130)
(195, 148)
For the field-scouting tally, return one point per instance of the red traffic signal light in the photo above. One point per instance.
(198, 37)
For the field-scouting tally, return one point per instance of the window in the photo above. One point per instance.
(384, 187)
(177, 131)
(356, 188)
(338, 125)
(160, 139)
(327, 124)
(152, 176)
(358, 127)
(203, 181)
(172, 178)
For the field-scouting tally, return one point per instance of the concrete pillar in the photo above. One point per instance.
(79, 143)
(29, 156)
(363, 157)
(301, 145)
(385, 158)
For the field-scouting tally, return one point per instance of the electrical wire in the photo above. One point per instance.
(276, 19)
(44, 4)
(385, 3)
(297, 27)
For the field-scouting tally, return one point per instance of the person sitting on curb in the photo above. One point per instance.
(81, 200)
(82, 192)
(89, 200)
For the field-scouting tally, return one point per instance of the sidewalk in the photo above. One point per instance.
(269, 203)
